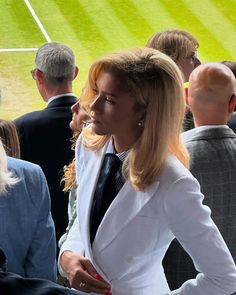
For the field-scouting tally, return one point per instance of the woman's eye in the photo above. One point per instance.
(109, 100)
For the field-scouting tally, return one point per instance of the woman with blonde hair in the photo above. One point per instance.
(135, 192)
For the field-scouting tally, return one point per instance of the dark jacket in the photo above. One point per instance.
(45, 139)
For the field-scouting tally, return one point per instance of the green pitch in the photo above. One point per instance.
(93, 28)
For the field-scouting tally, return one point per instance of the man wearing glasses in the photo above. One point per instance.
(45, 135)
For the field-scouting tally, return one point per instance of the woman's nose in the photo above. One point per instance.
(96, 104)
(75, 107)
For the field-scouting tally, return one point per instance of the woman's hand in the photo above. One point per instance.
(82, 275)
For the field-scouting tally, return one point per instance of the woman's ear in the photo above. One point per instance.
(142, 115)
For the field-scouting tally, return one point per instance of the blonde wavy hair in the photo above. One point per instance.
(156, 86)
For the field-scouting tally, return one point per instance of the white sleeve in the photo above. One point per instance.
(72, 243)
(193, 227)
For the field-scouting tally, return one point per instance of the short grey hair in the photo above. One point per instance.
(56, 61)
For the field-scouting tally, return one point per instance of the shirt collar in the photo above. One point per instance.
(111, 150)
(59, 96)
(188, 135)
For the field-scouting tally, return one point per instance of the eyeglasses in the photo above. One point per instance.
(192, 55)
(33, 72)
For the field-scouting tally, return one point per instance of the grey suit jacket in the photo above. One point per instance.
(213, 163)
(27, 234)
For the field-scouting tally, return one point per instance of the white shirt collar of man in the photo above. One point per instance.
(59, 96)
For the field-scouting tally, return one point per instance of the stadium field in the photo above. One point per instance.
(95, 27)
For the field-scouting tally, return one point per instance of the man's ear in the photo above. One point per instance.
(232, 103)
(76, 72)
(186, 92)
(39, 77)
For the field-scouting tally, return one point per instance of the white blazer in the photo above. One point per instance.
(138, 227)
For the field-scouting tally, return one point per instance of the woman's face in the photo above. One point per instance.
(113, 110)
(78, 117)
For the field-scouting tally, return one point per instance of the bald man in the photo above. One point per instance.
(212, 148)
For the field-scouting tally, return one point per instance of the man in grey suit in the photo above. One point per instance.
(212, 148)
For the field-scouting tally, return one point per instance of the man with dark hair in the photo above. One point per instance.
(45, 135)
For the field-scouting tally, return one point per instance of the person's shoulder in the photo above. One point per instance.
(174, 170)
(31, 180)
(28, 118)
(23, 167)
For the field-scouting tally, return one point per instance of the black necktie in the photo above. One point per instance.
(109, 183)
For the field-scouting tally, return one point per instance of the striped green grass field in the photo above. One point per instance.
(93, 28)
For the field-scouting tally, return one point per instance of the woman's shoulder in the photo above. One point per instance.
(174, 169)
(22, 167)
(175, 178)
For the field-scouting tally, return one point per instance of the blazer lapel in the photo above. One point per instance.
(89, 174)
(123, 209)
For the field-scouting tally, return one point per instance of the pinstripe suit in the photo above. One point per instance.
(213, 163)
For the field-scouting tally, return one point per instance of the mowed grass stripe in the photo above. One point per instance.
(84, 28)
(156, 15)
(61, 22)
(227, 8)
(67, 23)
(131, 16)
(215, 22)
(109, 25)
(18, 30)
(188, 20)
